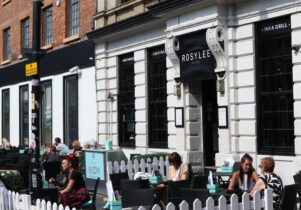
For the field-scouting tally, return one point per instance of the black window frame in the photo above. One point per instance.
(126, 99)
(25, 32)
(6, 44)
(2, 114)
(73, 17)
(48, 25)
(159, 139)
(21, 115)
(66, 139)
(43, 83)
(259, 41)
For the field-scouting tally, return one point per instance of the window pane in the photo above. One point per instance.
(157, 97)
(126, 101)
(71, 110)
(47, 114)
(73, 17)
(48, 28)
(275, 94)
(25, 33)
(24, 115)
(5, 114)
(7, 54)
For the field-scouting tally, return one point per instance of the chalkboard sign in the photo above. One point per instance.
(94, 165)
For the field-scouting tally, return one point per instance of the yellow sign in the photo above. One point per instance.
(31, 69)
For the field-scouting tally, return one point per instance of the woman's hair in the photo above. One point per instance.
(241, 172)
(175, 158)
(73, 160)
(52, 149)
(86, 145)
(268, 164)
(76, 143)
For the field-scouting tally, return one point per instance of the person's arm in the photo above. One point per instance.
(260, 185)
(233, 181)
(184, 172)
(61, 184)
(69, 187)
(255, 176)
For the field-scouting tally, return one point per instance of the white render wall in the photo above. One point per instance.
(86, 105)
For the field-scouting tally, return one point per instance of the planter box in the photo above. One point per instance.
(213, 188)
(114, 205)
(227, 169)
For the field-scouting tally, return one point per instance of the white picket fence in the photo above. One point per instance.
(161, 164)
(256, 204)
(15, 201)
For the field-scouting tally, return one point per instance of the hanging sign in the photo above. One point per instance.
(31, 69)
(196, 60)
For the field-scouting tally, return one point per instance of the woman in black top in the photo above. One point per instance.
(75, 183)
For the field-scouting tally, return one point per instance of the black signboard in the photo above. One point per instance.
(157, 52)
(275, 26)
(127, 58)
(196, 60)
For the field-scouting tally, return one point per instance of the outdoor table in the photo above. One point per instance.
(223, 174)
(51, 194)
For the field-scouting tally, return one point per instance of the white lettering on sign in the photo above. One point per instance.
(94, 170)
(127, 59)
(160, 52)
(275, 27)
(194, 56)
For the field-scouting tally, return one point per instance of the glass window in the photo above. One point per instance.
(6, 48)
(126, 101)
(47, 29)
(5, 114)
(47, 114)
(71, 109)
(274, 87)
(24, 115)
(25, 33)
(73, 17)
(157, 97)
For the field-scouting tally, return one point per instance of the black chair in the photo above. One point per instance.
(137, 197)
(133, 155)
(199, 182)
(134, 184)
(236, 166)
(91, 204)
(289, 194)
(174, 194)
(116, 179)
(52, 169)
(297, 179)
(189, 195)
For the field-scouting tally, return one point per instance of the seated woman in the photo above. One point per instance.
(76, 147)
(246, 176)
(269, 180)
(76, 183)
(177, 170)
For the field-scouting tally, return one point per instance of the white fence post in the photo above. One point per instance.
(156, 207)
(268, 199)
(234, 202)
(170, 206)
(257, 201)
(184, 205)
(54, 206)
(245, 201)
(197, 204)
(222, 203)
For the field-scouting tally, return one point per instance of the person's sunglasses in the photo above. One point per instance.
(260, 166)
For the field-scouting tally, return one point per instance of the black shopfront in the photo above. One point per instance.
(274, 87)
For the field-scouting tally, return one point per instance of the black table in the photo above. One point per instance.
(223, 174)
(50, 194)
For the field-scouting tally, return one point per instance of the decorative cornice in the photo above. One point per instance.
(214, 36)
(171, 46)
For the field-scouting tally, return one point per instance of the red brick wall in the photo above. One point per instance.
(15, 11)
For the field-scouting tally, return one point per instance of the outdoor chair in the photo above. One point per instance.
(288, 201)
(189, 195)
(199, 182)
(137, 197)
(174, 194)
(91, 204)
(236, 166)
(297, 179)
(134, 184)
(52, 169)
(116, 179)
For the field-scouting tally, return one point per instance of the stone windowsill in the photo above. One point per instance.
(5, 62)
(5, 2)
(20, 57)
(47, 47)
(71, 38)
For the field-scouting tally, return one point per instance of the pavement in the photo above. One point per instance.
(99, 201)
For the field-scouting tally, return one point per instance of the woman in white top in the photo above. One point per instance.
(246, 176)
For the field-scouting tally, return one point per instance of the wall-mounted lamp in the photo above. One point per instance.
(75, 70)
(296, 47)
(58, 3)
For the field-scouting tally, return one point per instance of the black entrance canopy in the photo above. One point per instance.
(196, 60)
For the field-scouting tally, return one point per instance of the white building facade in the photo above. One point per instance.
(155, 91)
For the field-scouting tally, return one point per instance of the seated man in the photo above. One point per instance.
(60, 146)
(53, 156)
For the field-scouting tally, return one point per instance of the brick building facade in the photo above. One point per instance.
(17, 11)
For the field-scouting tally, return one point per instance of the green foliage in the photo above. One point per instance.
(81, 160)
(12, 181)
(151, 156)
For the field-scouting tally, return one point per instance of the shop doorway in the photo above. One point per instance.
(210, 121)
